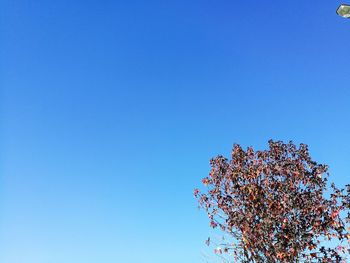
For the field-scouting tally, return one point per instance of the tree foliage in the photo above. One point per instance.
(276, 206)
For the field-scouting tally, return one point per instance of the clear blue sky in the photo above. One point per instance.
(111, 110)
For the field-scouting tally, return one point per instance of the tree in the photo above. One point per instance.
(273, 205)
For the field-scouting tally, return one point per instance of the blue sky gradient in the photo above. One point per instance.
(111, 110)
